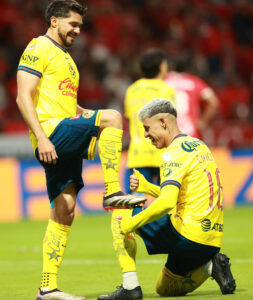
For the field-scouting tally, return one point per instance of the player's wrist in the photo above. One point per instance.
(41, 136)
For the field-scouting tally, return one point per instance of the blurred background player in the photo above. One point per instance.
(196, 102)
(63, 133)
(191, 234)
(142, 155)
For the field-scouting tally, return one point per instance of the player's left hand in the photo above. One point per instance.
(125, 224)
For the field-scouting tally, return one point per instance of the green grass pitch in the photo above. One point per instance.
(90, 267)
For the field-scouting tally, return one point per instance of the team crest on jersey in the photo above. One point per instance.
(88, 114)
(72, 71)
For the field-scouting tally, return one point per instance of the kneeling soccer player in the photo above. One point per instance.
(185, 220)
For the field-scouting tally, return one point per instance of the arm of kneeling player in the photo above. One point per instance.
(157, 209)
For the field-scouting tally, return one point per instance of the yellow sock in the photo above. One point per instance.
(124, 245)
(169, 284)
(54, 246)
(110, 147)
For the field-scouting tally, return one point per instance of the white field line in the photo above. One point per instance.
(103, 262)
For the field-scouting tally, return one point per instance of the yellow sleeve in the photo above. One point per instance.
(35, 58)
(157, 209)
(145, 186)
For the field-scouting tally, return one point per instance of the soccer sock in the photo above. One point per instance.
(207, 268)
(54, 246)
(169, 284)
(109, 148)
(124, 245)
(130, 280)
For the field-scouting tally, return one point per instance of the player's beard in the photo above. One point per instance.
(63, 36)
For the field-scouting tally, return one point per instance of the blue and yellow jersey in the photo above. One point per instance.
(56, 96)
(141, 152)
(189, 165)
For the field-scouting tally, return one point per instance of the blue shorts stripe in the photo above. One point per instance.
(170, 182)
(29, 70)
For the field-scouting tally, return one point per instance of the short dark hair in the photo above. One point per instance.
(61, 8)
(150, 62)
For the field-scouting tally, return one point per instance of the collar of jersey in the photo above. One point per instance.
(179, 135)
(55, 43)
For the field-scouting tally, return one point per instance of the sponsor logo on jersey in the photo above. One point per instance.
(167, 172)
(30, 47)
(171, 164)
(218, 227)
(206, 225)
(88, 114)
(68, 88)
(191, 146)
(30, 59)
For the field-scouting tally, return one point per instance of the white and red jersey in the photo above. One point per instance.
(190, 90)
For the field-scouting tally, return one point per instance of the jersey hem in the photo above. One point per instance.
(218, 245)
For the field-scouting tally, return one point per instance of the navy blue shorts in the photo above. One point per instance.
(152, 175)
(74, 139)
(160, 237)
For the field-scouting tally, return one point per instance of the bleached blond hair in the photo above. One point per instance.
(157, 106)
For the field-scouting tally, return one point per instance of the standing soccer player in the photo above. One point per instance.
(185, 220)
(191, 93)
(142, 155)
(62, 133)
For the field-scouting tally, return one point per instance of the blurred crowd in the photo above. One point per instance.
(214, 37)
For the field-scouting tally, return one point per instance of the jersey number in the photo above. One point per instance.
(210, 182)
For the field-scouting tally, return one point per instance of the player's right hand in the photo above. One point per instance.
(138, 182)
(134, 180)
(46, 150)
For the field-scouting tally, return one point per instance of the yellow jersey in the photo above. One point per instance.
(141, 152)
(56, 96)
(188, 164)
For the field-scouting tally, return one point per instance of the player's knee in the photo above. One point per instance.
(111, 118)
(169, 291)
(67, 218)
(71, 217)
(64, 213)
(167, 286)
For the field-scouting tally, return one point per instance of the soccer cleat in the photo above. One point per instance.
(222, 274)
(121, 200)
(123, 294)
(56, 295)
